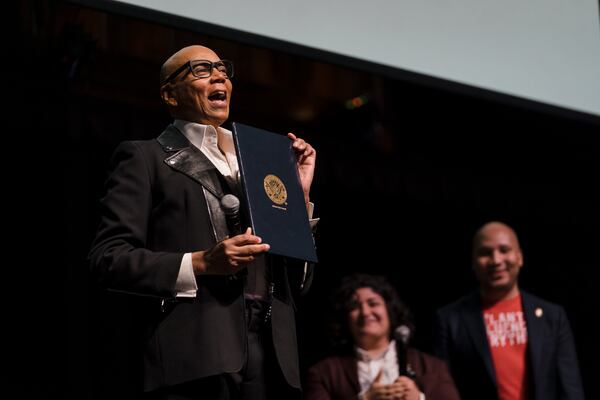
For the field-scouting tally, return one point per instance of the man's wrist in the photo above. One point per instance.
(199, 262)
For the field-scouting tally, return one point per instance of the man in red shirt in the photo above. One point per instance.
(501, 342)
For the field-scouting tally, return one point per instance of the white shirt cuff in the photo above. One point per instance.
(186, 281)
(312, 221)
(310, 209)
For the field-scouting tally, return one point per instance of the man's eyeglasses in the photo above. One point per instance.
(203, 69)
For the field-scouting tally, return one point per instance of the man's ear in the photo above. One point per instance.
(167, 94)
(520, 258)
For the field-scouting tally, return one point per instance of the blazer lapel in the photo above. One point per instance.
(473, 318)
(534, 323)
(189, 160)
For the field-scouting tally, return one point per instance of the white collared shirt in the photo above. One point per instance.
(217, 145)
(369, 367)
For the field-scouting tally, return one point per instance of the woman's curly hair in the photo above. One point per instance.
(398, 312)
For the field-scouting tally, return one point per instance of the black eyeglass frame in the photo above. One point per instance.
(226, 63)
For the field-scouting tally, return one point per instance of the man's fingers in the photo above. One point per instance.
(299, 145)
(255, 249)
(245, 238)
(247, 253)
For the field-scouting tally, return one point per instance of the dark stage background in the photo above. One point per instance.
(402, 181)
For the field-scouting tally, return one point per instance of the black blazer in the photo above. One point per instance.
(162, 200)
(461, 339)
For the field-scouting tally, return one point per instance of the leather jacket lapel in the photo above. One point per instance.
(534, 330)
(190, 161)
(193, 163)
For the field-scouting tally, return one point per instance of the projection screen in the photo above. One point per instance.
(547, 51)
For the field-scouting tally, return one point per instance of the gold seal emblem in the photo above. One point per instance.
(275, 189)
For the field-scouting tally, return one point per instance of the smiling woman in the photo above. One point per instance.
(368, 320)
(373, 365)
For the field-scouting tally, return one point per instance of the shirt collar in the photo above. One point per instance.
(206, 135)
(363, 355)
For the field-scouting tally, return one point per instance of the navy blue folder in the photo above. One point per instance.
(272, 193)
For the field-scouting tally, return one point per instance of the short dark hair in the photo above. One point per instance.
(398, 312)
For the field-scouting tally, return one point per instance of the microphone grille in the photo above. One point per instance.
(230, 204)
(402, 333)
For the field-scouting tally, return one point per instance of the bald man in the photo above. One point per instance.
(216, 312)
(501, 342)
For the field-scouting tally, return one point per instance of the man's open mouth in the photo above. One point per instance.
(219, 95)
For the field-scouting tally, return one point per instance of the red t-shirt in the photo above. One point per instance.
(507, 338)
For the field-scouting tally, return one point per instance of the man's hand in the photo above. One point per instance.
(229, 255)
(306, 157)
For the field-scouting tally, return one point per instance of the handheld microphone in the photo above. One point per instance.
(231, 207)
(402, 334)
